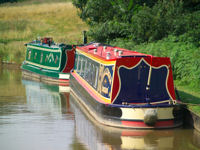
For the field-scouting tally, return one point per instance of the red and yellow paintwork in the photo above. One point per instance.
(104, 95)
(129, 62)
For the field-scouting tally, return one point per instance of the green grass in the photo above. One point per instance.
(191, 97)
(23, 22)
(194, 108)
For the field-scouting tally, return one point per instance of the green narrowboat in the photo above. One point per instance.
(48, 62)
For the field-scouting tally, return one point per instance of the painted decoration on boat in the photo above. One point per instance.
(123, 88)
(145, 80)
(48, 61)
(44, 57)
(134, 82)
(98, 76)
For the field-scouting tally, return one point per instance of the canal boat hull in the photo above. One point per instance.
(106, 137)
(46, 77)
(125, 116)
(125, 89)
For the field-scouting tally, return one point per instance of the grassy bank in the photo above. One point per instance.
(23, 22)
(191, 97)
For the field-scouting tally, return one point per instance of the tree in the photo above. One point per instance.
(138, 20)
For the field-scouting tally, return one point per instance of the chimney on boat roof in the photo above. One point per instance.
(84, 37)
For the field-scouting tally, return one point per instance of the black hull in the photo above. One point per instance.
(111, 116)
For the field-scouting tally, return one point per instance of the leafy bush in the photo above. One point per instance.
(151, 24)
(9, 1)
(109, 29)
(109, 19)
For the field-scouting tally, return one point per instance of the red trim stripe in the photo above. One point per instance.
(64, 82)
(141, 124)
(87, 88)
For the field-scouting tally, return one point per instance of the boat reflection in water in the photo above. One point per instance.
(46, 98)
(55, 116)
(42, 120)
(100, 137)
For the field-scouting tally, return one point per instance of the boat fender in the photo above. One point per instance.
(150, 117)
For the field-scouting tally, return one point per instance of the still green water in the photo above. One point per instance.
(36, 116)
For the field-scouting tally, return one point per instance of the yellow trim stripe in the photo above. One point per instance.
(43, 66)
(96, 59)
(43, 49)
(107, 100)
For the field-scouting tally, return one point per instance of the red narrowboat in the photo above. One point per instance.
(123, 88)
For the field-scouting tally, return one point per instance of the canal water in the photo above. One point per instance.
(37, 116)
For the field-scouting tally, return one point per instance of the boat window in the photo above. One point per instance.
(96, 76)
(82, 67)
(77, 65)
(85, 69)
(92, 74)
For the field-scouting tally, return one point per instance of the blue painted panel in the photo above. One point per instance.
(158, 89)
(134, 84)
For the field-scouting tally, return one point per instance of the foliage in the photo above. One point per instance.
(110, 17)
(151, 24)
(140, 21)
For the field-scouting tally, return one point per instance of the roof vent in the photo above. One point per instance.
(115, 51)
(104, 48)
(120, 53)
(108, 55)
(95, 50)
(96, 44)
